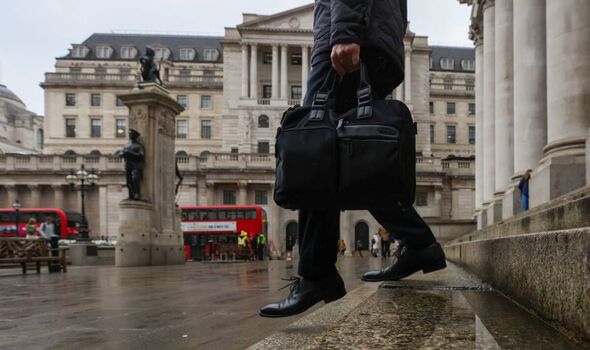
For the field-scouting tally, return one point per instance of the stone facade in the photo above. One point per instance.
(261, 69)
(536, 76)
(21, 131)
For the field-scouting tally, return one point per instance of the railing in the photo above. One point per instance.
(204, 80)
(264, 101)
(85, 77)
(469, 88)
(293, 102)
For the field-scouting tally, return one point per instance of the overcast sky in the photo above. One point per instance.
(34, 32)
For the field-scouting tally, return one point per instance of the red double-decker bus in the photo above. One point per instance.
(212, 231)
(66, 222)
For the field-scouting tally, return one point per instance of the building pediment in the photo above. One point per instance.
(297, 19)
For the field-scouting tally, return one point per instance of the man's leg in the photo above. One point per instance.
(418, 250)
(318, 233)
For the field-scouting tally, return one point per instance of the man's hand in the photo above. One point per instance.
(345, 58)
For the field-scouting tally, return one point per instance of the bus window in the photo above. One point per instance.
(231, 214)
(184, 215)
(212, 214)
(240, 214)
(251, 214)
(193, 215)
(203, 215)
(7, 217)
(222, 215)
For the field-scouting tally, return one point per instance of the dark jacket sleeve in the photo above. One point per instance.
(403, 4)
(349, 21)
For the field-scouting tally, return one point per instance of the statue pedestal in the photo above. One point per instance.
(149, 229)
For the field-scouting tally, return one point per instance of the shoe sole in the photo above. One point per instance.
(435, 266)
(327, 300)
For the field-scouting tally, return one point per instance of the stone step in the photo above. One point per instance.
(446, 309)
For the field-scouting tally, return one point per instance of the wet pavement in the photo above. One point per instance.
(215, 306)
(196, 306)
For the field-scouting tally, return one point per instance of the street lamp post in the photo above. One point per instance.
(16, 206)
(87, 181)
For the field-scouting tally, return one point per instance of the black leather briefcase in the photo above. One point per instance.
(362, 159)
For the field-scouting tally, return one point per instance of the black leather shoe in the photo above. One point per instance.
(305, 294)
(408, 261)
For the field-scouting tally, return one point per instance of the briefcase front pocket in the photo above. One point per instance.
(306, 175)
(369, 167)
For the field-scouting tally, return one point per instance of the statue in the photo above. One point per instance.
(134, 156)
(149, 70)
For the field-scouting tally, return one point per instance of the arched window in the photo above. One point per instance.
(181, 154)
(69, 153)
(40, 138)
(182, 157)
(204, 156)
(95, 153)
(291, 235)
(361, 236)
(263, 121)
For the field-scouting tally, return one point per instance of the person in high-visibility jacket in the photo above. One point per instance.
(261, 243)
(243, 239)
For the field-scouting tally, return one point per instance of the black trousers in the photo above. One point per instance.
(319, 230)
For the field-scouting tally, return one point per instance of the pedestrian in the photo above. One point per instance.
(254, 245)
(385, 243)
(342, 247)
(359, 247)
(375, 245)
(346, 31)
(49, 232)
(31, 229)
(523, 186)
(261, 244)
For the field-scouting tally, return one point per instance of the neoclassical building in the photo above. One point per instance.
(21, 131)
(235, 89)
(532, 98)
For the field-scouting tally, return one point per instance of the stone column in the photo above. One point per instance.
(242, 193)
(12, 195)
(493, 210)
(399, 92)
(210, 193)
(304, 69)
(284, 73)
(58, 196)
(35, 196)
(504, 132)
(253, 71)
(530, 94)
(245, 70)
(103, 210)
(408, 77)
(148, 232)
(563, 168)
(275, 71)
(479, 129)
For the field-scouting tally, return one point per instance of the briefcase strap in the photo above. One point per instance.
(364, 95)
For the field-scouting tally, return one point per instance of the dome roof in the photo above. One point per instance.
(9, 95)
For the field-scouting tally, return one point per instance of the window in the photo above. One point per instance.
(263, 147)
(450, 107)
(431, 133)
(296, 59)
(468, 65)
(448, 84)
(472, 108)
(431, 107)
(296, 92)
(263, 121)
(119, 102)
(95, 100)
(103, 52)
(40, 138)
(472, 135)
(261, 197)
(100, 73)
(469, 84)
(121, 128)
(76, 73)
(128, 52)
(206, 102)
(210, 54)
(208, 75)
(182, 100)
(205, 129)
(185, 75)
(447, 63)
(229, 197)
(267, 58)
(70, 127)
(451, 134)
(95, 127)
(162, 53)
(79, 51)
(70, 100)
(266, 91)
(421, 199)
(234, 150)
(181, 129)
(187, 54)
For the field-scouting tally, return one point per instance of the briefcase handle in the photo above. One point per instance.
(363, 93)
